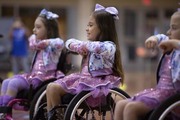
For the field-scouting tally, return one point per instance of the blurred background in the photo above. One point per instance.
(139, 19)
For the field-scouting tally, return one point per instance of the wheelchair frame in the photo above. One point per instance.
(29, 100)
(77, 103)
(25, 99)
(166, 108)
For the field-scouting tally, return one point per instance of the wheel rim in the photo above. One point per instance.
(39, 102)
(116, 96)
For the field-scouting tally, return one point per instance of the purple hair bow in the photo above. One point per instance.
(49, 15)
(178, 8)
(111, 10)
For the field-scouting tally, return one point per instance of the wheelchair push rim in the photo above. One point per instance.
(76, 109)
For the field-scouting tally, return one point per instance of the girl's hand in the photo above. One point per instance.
(43, 44)
(83, 49)
(169, 45)
(151, 42)
(79, 48)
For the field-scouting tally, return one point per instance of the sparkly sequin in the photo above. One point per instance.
(76, 82)
(41, 71)
(154, 96)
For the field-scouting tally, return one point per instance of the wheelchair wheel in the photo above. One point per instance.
(164, 111)
(79, 108)
(38, 100)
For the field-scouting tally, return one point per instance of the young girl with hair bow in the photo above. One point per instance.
(101, 67)
(46, 43)
(168, 76)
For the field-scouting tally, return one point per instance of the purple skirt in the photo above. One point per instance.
(77, 82)
(153, 97)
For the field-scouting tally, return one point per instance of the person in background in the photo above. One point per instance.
(19, 42)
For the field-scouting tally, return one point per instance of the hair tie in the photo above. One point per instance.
(111, 10)
(49, 15)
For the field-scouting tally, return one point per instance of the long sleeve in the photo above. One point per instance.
(83, 47)
(161, 37)
(53, 43)
(106, 49)
(77, 46)
(32, 42)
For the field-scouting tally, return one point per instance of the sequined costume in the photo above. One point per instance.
(168, 79)
(76, 82)
(98, 82)
(46, 60)
(154, 96)
(43, 68)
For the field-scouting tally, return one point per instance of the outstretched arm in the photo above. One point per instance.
(155, 40)
(76, 46)
(169, 45)
(151, 42)
(83, 47)
(54, 43)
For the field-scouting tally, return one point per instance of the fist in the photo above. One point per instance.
(151, 42)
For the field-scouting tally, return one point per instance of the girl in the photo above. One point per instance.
(19, 54)
(168, 75)
(101, 63)
(46, 59)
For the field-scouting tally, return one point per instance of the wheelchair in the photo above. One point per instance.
(168, 110)
(80, 107)
(27, 100)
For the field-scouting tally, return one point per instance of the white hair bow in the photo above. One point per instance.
(111, 10)
(49, 15)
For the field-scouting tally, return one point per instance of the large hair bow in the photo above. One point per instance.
(111, 10)
(49, 15)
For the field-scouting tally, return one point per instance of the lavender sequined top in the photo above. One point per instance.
(175, 64)
(46, 60)
(101, 57)
(154, 96)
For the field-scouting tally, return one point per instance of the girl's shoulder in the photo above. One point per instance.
(32, 37)
(105, 42)
(109, 43)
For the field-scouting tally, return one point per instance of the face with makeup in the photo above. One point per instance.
(40, 29)
(92, 29)
(174, 30)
